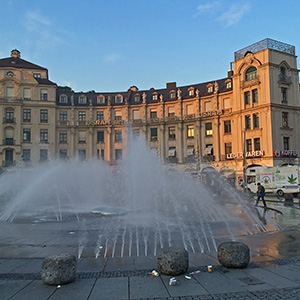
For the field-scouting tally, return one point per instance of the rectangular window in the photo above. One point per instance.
(208, 129)
(44, 136)
(255, 120)
(63, 99)
(118, 154)
(63, 154)
(81, 116)
(101, 100)
(247, 122)
(172, 133)
(100, 136)
(118, 136)
(44, 95)
(153, 134)
(189, 109)
(82, 155)
(44, 115)
(172, 152)
(249, 145)
(26, 94)
(207, 106)
(228, 148)
(190, 131)
(135, 114)
(285, 122)
(284, 95)
(286, 143)
(153, 114)
(63, 116)
(9, 94)
(137, 98)
(26, 135)
(254, 96)
(9, 116)
(226, 103)
(118, 115)
(256, 144)
(118, 99)
(100, 115)
(102, 154)
(43, 154)
(81, 136)
(27, 115)
(135, 133)
(63, 137)
(82, 100)
(227, 127)
(171, 112)
(247, 97)
(26, 156)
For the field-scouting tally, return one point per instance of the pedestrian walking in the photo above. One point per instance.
(260, 194)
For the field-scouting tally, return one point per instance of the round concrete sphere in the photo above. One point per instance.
(172, 261)
(233, 254)
(59, 269)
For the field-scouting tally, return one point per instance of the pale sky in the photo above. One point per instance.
(110, 45)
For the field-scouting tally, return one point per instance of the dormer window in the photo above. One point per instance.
(82, 100)
(101, 100)
(172, 95)
(118, 99)
(191, 92)
(154, 97)
(209, 89)
(63, 99)
(251, 74)
(228, 85)
(137, 98)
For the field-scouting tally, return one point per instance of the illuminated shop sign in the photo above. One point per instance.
(249, 154)
(292, 153)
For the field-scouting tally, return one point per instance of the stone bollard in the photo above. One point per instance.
(172, 261)
(59, 269)
(233, 254)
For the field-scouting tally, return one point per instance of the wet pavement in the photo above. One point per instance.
(273, 272)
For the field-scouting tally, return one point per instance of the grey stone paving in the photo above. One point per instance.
(280, 279)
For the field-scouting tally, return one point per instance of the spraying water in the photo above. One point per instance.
(160, 207)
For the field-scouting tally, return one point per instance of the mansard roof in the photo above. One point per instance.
(17, 62)
(130, 94)
(44, 81)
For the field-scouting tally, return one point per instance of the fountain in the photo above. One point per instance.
(132, 210)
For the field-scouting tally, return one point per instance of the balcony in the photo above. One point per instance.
(11, 100)
(9, 120)
(8, 141)
(81, 123)
(63, 123)
(248, 83)
(285, 79)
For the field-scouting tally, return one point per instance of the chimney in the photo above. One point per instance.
(171, 85)
(15, 53)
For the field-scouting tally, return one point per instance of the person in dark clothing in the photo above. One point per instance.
(260, 194)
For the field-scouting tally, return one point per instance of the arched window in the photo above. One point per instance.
(101, 99)
(251, 73)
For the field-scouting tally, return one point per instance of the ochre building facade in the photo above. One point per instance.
(251, 117)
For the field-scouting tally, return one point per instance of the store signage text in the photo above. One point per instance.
(279, 153)
(249, 154)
